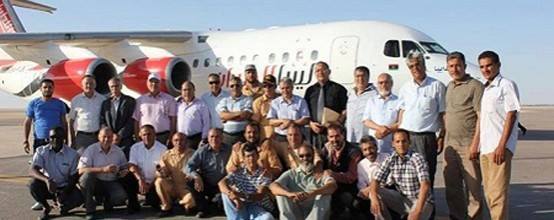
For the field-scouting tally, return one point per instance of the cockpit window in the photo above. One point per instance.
(431, 47)
(408, 46)
(392, 48)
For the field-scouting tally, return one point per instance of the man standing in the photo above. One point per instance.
(234, 111)
(193, 116)
(54, 174)
(304, 192)
(462, 174)
(117, 114)
(324, 94)
(144, 158)
(213, 97)
(422, 108)
(100, 167)
(207, 168)
(498, 138)
(381, 113)
(156, 108)
(262, 104)
(172, 182)
(286, 111)
(358, 97)
(43, 113)
(252, 87)
(84, 116)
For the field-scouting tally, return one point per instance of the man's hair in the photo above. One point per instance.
(115, 79)
(105, 130)
(336, 127)
(415, 55)
(254, 124)
(88, 76)
(288, 81)
(188, 82)
(389, 77)
(235, 79)
(298, 128)
(148, 126)
(363, 69)
(324, 64)
(307, 146)
(366, 139)
(456, 55)
(491, 55)
(213, 75)
(401, 131)
(218, 130)
(60, 132)
(47, 81)
(249, 148)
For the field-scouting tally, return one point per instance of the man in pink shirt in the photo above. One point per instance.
(156, 108)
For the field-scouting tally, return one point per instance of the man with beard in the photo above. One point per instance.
(213, 97)
(234, 111)
(340, 159)
(304, 193)
(252, 87)
(267, 158)
(54, 174)
(381, 113)
(295, 140)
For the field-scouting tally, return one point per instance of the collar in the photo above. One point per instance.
(257, 172)
(182, 100)
(425, 81)
(94, 94)
(237, 98)
(292, 99)
(389, 97)
(369, 88)
(406, 157)
(495, 82)
(465, 80)
(61, 150)
(155, 96)
(102, 151)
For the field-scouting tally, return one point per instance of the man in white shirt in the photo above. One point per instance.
(381, 113)
(84, 116)
(212, 98)
(144, 160)
(498, 138)
(358, 97)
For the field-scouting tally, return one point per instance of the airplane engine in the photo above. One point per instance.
(173, 72)
(67, 75)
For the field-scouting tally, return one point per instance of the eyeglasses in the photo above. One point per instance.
(213, 82)
(305, 156)
(234, 85)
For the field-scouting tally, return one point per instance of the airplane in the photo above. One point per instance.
(27, 58)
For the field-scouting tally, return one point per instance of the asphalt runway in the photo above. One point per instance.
(531, 190)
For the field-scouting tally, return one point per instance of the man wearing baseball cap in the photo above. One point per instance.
(252, 87)
(261, 105)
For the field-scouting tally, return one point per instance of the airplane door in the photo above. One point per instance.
(344, 55)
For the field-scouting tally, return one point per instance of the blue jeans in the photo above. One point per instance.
(248, 211)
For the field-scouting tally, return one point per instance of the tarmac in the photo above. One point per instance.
(531, 190)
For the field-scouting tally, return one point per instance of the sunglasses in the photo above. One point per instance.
(234, 85)
(213, 82)
(304, 155)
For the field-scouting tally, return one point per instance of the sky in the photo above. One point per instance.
(521, 32)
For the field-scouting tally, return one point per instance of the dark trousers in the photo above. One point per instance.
(231, 138)
(342, 202)
(194, 140)
(125, 144)
(319, 140)
(68, 197)
(162, 137)
(111, 192)
(83, 140)
(132, 184)
(37, 142)
(425, 143)
(208, 198)
(362, 208)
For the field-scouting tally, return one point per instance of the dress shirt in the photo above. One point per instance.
(147, 159)
(261, 106)
(193, 117)
(367, 170)
(281, 109)
(85, 112)
(209, 164)
(156, 111)
(382, 111)
(174, 161)
(355, 106)
(422, 105)
(94, 156)
(211, 101)
(334, 97)
(56, 166)
(235, 104)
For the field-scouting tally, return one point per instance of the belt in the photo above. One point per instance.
(162, 133)
(233, 133)
(280, 137)
(422, 133)
(194, 136)
(87, 133)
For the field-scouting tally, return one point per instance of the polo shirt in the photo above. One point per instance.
(155, 110)
(281, 109)
(94, 156)
(46, 115)
(212, 101)
(147, 159)
(500, 97)
(248, 184)
(85, 112)
(463, 103)
(295, 180)
(355, 106)
(56, 166)
(235, 104)
(422, 105)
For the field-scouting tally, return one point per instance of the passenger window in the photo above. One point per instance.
(218, 61)
(314, 55)
(230, 61)
(285, 57)
(207, 62)
(408, 46)
(255, 58)
(195, 63)
(271, 58)
(392, 48)
(299, 56)
(242, 60)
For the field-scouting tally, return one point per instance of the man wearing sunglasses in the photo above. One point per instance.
(261, 106)
(212, 98)
(234, 111)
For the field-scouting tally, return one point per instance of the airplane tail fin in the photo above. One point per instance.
(9, 22)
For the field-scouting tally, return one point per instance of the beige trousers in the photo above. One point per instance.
(496, 182)
(167, 190)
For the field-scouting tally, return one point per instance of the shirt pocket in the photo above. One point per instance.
(426, 104)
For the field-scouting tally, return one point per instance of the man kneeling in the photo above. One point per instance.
(409, 175)
(304, 192)
(245, 193)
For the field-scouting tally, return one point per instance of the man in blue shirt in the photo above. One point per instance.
(43, 114)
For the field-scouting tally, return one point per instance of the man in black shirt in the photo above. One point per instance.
(324, 94)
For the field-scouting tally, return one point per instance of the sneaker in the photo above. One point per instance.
(37, 206)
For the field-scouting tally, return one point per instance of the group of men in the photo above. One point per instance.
(246, 150)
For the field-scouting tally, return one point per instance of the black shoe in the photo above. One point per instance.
(165, 213)
(45, 214)
(64, 212)
(201, 214)
(108, 207)
(90, 216)
(133, 208)
(190, 212)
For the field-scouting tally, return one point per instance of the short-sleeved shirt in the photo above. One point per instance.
(382, 111)
(281, 109)
(463, 103)
(249, 183)
(94, 156)
(211, 101)
(147, 159)
(355, 107)
(422, 105)
(209, 164)
(295, 180)
(57, 166)
(267, 157)
(500, 97)
(193, 118)
(174, 161)
(46, 115)
(406, 173)
(85, 112)
(235, 104)
(261, 107)
(156, 111)
(368, 169)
